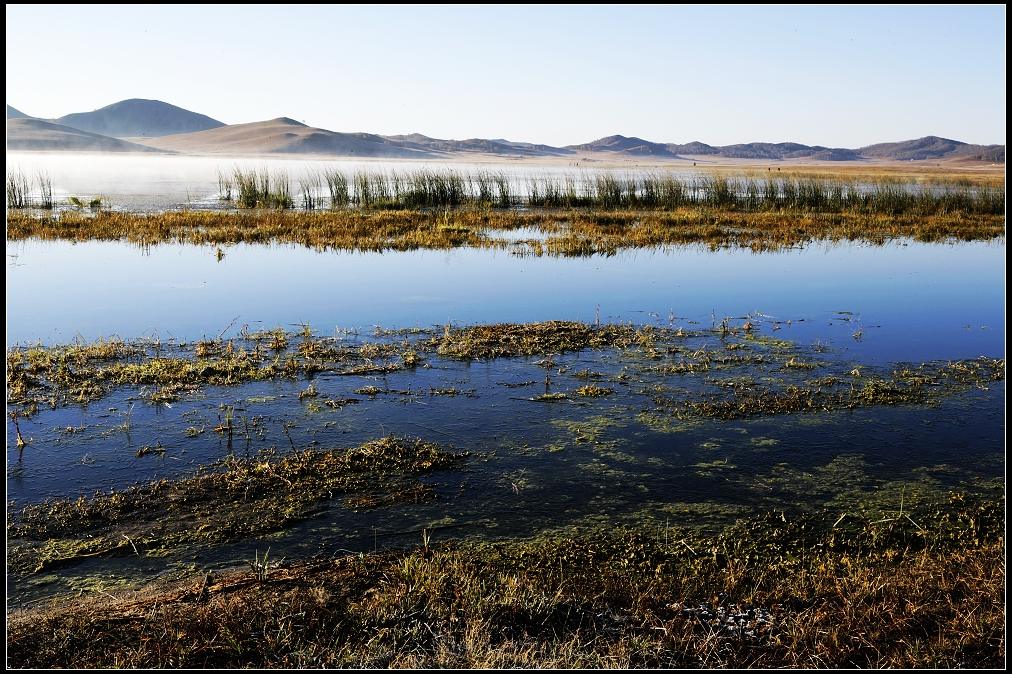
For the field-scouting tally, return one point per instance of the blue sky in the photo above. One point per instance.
(834, 76)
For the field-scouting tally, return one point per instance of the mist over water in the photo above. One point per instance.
(139, 182)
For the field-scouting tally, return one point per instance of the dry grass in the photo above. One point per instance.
(482, 342)
(925, 384)
(771, 591)
(236, 499)
(563, 232)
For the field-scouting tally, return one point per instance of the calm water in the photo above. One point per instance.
(536, 465)
(910, 301)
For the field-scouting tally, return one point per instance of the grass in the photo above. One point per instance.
(914, 588)
(595, 213)
(482, 342)
(749, 375)
(78, 373)
(572, 232)
(24, 192)
(925, 384)
(238, 498)
(257, 188)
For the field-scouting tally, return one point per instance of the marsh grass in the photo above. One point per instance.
(24, 192)
(447, 188)
(225, 183)
(925, 384)
(871, 589)
(237, 498)
(567, 232)
(482, 342)
(258, 188)
(756, 375)
(311, 190)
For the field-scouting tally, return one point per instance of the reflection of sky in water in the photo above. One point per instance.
(912, 302)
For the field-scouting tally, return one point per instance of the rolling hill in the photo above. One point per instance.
(627, 146)
(27, 133)
(283, 136)
(932, 147)
(139, 125)
(496, 146)
(139, 118)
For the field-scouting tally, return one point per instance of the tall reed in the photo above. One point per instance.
(441, 189)
(25, 192)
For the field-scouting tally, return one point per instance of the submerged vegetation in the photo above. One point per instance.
(79, 373)
(910, 588)
(597, 213)
(238, 498)
(904, 386)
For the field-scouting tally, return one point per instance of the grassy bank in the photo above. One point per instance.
(914, 588)
(560, 232)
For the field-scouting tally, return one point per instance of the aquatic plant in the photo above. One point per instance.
(238, 498)
(20, 192)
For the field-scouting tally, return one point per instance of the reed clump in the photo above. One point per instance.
(25, 192)
(258, 188)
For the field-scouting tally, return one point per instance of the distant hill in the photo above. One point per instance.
(694, 148)
(283, 136)
(933, 147)
(138, 117)
(626, 145)
(142, 123)
(496, 146)
(930, 147)
(27, 133)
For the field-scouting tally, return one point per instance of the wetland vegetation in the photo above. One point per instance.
(604, 493)
(236, 499)
(556, 216)
(756, 375)
(904, 588)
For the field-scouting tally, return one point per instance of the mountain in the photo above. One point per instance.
(283, 136)
(495, 146)
(695, 147)
(27, 133)
(626, 145)
(139, 118)
(932, 147)
(140, 124)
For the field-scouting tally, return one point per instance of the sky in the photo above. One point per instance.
(836, 76)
